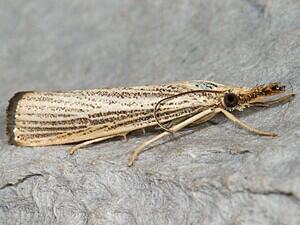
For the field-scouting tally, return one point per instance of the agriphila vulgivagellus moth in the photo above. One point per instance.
(89, 116)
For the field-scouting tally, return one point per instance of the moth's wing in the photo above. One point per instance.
(48, 118)
(36, 118)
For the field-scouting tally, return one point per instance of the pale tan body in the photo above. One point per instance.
(50, 118)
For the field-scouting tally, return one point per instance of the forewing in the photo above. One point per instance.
(47, 118)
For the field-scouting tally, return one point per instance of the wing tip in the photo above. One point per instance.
(11, 116)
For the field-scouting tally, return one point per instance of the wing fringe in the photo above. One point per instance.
(11, 116)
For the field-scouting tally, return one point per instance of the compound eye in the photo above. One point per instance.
(231, 100)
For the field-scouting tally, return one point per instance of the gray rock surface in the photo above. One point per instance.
(211, 174)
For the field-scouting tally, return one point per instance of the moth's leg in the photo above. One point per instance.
(244, 125)
(125, 136)
(171, 123)
(266, 103)
(140, 149)
(174, 122)
(175, 128)
(83, 144)
(143, 131)
(204, 119)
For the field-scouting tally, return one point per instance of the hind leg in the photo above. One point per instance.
(84, 144)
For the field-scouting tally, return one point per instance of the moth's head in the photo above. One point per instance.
(238, 98)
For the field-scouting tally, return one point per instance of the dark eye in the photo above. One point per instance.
(231, 100)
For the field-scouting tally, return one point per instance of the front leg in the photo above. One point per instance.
(243, 124)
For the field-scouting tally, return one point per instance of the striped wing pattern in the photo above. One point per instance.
(48, 118)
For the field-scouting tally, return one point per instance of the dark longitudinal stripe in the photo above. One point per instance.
(39, 135)
(39, 129)
(135, 93)
(51, 108)
(121, 93)
(77, 121)
(48, 115)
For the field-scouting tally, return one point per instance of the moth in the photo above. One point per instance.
(89, 116)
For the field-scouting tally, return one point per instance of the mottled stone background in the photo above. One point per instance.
(211, 174)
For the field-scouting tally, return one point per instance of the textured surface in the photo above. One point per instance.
(212, 174)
